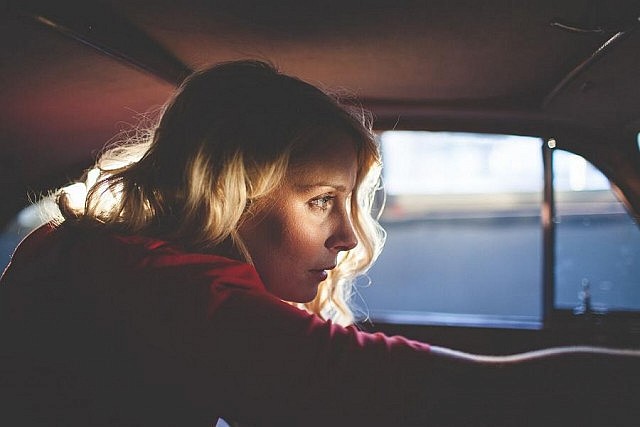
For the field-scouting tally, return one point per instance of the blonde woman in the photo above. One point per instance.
(206, 271)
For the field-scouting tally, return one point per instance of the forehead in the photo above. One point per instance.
(334, 158)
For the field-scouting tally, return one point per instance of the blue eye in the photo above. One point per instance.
(322, 202)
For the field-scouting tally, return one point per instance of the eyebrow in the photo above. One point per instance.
(338, 187)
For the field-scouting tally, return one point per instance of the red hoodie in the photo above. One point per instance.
(105, 329)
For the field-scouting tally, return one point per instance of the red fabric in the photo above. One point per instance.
(106, 330)
(197, 330)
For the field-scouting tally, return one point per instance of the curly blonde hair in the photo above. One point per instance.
(225, 140)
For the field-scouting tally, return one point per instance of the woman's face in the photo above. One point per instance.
(297, 235)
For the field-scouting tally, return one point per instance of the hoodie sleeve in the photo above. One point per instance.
(133, 331)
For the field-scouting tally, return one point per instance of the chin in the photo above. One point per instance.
(305, 297)
(297, 297)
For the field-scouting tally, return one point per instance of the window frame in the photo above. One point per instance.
(552, 318)
(606, 326)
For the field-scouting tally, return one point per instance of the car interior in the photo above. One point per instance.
(509, 133)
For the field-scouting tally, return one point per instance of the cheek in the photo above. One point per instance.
(281, 239)
(303, 233)
(274, 232)
(301, 239)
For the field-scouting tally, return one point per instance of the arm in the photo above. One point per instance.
(180, 335)
(294, 365)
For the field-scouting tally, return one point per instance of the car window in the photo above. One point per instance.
(26, 221)
(463, 222)
(464, 243)
(597, 241)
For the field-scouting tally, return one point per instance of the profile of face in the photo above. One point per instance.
(295, 238)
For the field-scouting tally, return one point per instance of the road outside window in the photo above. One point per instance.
(464, 239)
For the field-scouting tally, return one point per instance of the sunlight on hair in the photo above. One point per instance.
(76, 194)
(110, 196)
(115, 158)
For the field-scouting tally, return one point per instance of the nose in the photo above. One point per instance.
(343, 237)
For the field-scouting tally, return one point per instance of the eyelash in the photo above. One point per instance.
(322, 202)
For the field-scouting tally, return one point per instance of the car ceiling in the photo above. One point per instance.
(74, 74)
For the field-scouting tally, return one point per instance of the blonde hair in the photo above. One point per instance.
(224, 141)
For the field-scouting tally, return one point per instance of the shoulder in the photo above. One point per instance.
(94, 251)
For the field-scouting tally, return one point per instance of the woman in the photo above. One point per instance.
(206, 272)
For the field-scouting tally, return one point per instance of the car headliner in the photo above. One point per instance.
(75, 73)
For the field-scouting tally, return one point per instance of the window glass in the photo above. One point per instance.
(26, 221)
(464, 241)
(597, 241)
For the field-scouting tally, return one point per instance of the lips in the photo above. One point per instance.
(322, 273)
